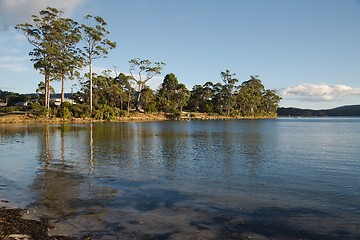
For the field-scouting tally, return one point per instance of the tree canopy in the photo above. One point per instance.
(43, 37)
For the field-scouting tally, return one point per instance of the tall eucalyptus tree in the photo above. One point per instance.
(68, 59)
(42, 36)
(172, 96)
(141, 72)
(228, 91)
(250, 97)
(125, 82)
(96, 45)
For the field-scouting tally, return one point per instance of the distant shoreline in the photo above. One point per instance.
(33, 118)
(343, 111)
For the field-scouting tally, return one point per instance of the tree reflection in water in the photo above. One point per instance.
(62, 184)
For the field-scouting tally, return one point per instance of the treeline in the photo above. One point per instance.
(223, 98)
(62, 47)
(11, 98)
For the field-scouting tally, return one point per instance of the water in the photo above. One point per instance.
(236, 179)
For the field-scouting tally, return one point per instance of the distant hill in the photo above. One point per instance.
(352, 110)
(345, 111)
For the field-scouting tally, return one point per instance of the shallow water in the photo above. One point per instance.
(264, 179)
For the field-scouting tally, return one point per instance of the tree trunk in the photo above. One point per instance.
(47, 89)
(62, 90)
(91, 86)
(128, 103)
(121, 102)
(137, 102)
(138, 97)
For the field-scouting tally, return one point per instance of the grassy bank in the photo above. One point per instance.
(33, 118)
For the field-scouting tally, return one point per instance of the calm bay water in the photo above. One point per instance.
(263, 179)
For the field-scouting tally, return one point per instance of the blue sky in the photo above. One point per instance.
(309, 51)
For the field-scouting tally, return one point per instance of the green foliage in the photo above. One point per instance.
(151, 107)
(227, 92)
(44, 37)
(148, 100)
(81, 111)
(36, 106)
(120, 113)
(172, 96)
(141, 72)
(8, 109)
(57, 56)
(104, 112)
(98, 115)
(96, 45)
(65, 111)
(126, 96)
(201, 98)
(109, 113)
(250, 99)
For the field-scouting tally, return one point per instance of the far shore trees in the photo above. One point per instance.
(125, 82)
(228, 91)
(250, 99)
(172, 96)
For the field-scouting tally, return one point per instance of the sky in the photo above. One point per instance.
(308, 51)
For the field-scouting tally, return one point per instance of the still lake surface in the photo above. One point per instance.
(263, 179)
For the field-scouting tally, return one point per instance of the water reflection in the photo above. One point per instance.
(63, 182)
(253, 149)
(91, 149)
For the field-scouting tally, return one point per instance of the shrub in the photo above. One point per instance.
(34, 106)
(150, 108)
(68, 105)
(98, 115)
(81, 111)
(109, 114)
(121, 113)
(64, 112)
(7, 109)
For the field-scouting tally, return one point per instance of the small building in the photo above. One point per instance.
(3, 103)
(21, 104)
(56, 102)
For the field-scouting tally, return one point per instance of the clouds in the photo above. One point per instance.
(13, 12)
(12, 44)
(14, 64)
(318, 92)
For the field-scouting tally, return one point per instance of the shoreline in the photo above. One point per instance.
(13, 226)
(32, 118)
